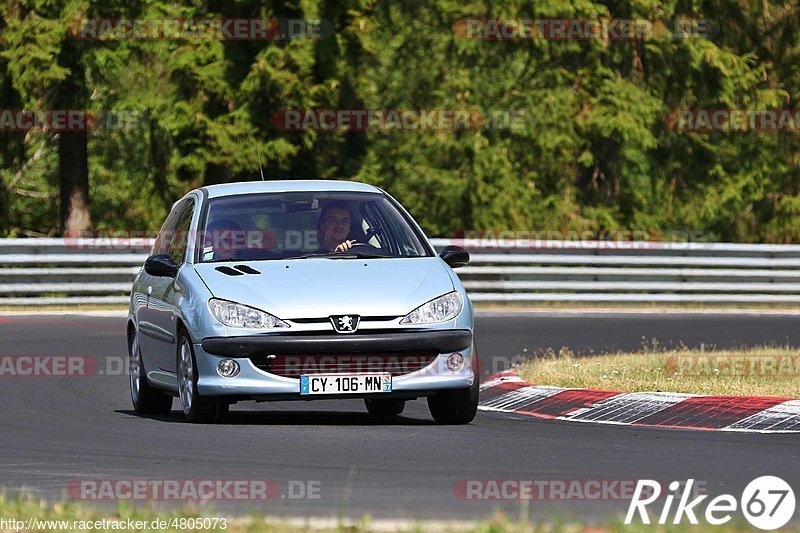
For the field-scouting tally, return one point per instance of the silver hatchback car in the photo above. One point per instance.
(299, 290)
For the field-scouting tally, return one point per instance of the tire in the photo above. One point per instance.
(458, 406)
(196, 408)
(146, 399)
(384, 406)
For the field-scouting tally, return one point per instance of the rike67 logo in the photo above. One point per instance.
(767, 503)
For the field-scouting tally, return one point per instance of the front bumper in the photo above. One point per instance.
(253, 383)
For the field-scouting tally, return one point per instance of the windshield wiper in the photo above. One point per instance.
(312, 254)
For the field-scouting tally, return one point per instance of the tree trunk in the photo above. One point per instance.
(73, 181)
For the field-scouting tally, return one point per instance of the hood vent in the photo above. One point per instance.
(247, 269)
(229, 271)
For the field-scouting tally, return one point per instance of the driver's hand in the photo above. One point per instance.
(346, 245)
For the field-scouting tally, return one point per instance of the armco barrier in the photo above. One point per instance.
(57, 272)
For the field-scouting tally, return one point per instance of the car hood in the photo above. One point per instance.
(317, 287)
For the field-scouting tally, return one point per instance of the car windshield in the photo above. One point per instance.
(298, 225)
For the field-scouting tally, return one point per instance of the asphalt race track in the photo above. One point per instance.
(56, 430)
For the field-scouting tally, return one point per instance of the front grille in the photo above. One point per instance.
(327, 319)
(294, 366)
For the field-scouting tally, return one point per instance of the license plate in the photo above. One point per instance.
(345, 383)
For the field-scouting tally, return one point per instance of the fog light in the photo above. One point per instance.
(228, 368)
(455, 362)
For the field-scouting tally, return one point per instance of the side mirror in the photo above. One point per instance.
(455, 256)
(161, 265)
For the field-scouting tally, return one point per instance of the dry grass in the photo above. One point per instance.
(770, 371)
(80, 517)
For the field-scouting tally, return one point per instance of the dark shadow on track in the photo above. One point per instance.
(296, 418)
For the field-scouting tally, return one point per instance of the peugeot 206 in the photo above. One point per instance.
(299, 290)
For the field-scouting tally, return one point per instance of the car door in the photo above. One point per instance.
(165, 293)
(150, 335)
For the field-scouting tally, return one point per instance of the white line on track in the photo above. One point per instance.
(77, 312)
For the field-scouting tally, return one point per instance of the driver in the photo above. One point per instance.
(334, 228)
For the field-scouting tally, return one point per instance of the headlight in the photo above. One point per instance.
(241, 316)
(441, 309)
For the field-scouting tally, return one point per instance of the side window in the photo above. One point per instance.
(180, 233)
(164, 236)
(406, 241)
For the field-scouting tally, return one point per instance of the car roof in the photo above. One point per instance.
(249, 187)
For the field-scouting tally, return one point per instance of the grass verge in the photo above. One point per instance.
(769, 371)
(76, 517)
